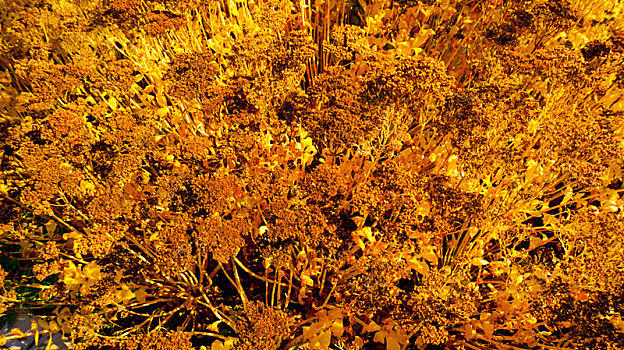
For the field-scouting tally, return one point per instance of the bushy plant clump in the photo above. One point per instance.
(314, 174)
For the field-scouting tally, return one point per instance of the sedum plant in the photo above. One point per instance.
(314, 174)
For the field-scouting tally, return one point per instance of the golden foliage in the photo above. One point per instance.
(315, 174)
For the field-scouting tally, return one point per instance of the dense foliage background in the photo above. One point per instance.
(367, 174)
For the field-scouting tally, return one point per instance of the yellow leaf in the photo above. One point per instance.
(380, 336)
(423, 208)
(337, 328)
(72, 234)
(162, 101)
(50, 226)
(618, 107)
(195, 104)
(53, 327)
(233, 9)
(478, 262)
(488, 328)
(392, 344)
(43, 323)
(469, 331)
(419, 266)
(451, 169)
(366, 232)
(16, 331)
(577, 38)
(87, 187)
(92, 271)
(550, 220)
(307, 280)
(153, 237)
(473, 231)
(140, 295)
(539, 273)
(325, 339)
(617, 322)
(423, 36)
(535, 242)
(112, 102)
(214, 326)
(217, 345)
(307, 332)
(428, 254)
(359, 342)
(533, 126)
(372, 327)
(72, 276)
(65, 312)
(161, 112)
(533, 170)
(125, 294)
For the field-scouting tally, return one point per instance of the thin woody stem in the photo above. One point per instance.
(236, 284)
(223, 318)
(242, 266)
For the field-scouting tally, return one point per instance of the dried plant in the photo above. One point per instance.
(318, 174)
